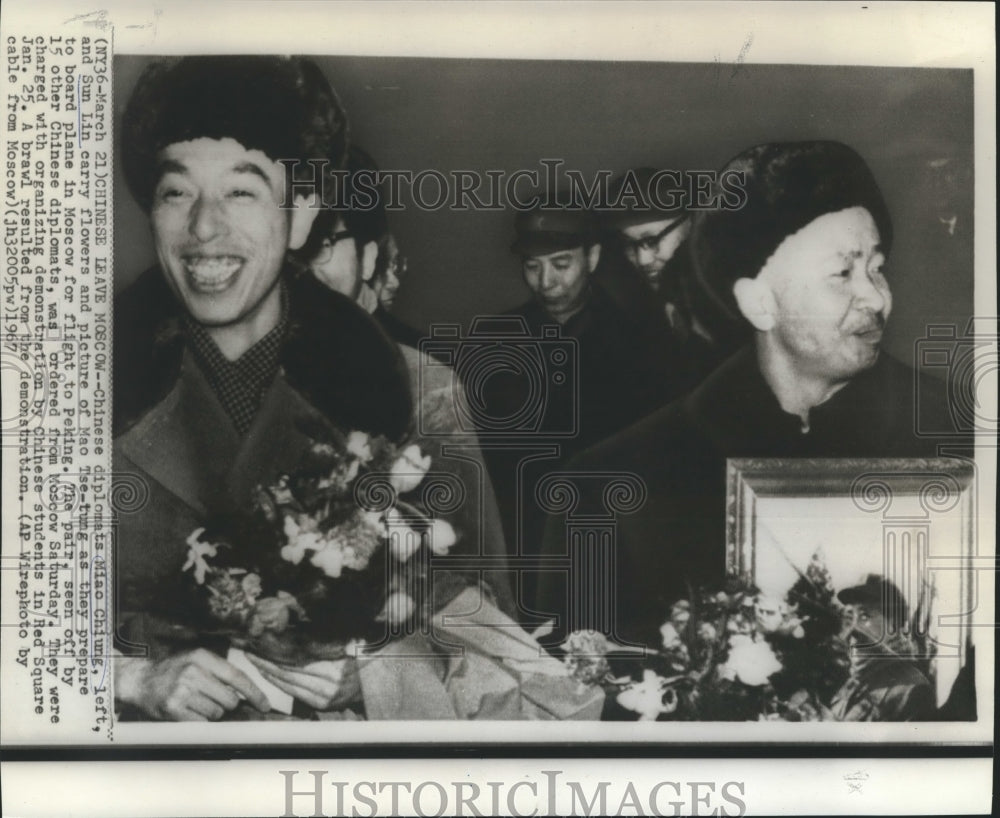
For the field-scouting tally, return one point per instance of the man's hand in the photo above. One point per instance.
(193, 686)
(325, 685)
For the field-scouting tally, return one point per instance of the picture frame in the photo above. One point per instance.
(780, 515)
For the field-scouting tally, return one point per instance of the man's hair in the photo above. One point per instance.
(282, 106)
(364, 223)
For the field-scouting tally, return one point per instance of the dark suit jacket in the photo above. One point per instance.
(885, 690)
(618, 378)
(676, 540)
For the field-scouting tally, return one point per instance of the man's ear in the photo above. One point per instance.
(368, 258)
(593, 256)
(756, 302)
(305, 209)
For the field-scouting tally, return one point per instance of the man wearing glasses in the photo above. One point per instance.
(352, 251)
(648, 272)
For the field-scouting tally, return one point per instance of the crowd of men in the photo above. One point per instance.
(697, 336)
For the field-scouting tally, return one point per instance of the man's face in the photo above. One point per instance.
(337, 263)
(831, 298)
(219, 231)
(649, 246)
(387, 285)
(559, 280)
(869, 628)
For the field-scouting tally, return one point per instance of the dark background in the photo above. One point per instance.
(913, 126)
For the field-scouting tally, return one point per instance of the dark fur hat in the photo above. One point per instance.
(787, 186)
(282, 106)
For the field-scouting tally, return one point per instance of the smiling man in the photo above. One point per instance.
(221, 350)
(803, 264)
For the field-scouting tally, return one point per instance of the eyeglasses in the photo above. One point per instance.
(327, 245)
(650, 243)
(398, 266)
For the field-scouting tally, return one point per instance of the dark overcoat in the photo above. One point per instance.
(675, 541)
(179, 460)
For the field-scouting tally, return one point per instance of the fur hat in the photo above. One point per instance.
(282, 106)
(785, 186)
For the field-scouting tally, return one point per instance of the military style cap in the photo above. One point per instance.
(541, 231)
(877, 590)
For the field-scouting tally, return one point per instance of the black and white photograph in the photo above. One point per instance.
(327, 484)
(367, 394)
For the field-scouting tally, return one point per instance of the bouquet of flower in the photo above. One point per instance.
(335, 553)
(728, 654)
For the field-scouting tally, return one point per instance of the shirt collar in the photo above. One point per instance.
(239, 384)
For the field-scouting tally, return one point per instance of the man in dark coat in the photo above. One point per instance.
(886, 683)
(802, 263)
(596, 375)
(646, 269)
(222, 353)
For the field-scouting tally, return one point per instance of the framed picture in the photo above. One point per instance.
(910, 523)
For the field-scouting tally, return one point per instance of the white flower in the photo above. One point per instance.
(680, 614)
(358, 445)
(751, 662)
(330, 560)
(402, 545)
(799, 632)
(441, 537)
(398, 608)
(646, 697)
(707, 632)
(671, 639)
(375, 522)
(297, 547)
(409, 469)
(197, 551)
(251, 587)
(281, 491)
(403, 540)
(354, 559)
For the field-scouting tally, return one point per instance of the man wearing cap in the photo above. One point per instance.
(803, 264)
(559, 250)
(613, 383)
(885, 683)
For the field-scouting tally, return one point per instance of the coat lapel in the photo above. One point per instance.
(187, 442)
(189, 445)
(272, 446)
